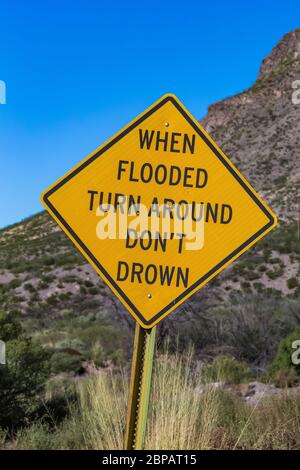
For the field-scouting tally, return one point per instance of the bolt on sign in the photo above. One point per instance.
(158, 210)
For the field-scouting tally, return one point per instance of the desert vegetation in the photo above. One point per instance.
(75, 396)
(184, 414)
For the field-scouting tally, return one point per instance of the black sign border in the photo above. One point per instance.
(90, 255)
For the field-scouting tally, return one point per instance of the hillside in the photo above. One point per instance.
(63, 301)
(260, 128)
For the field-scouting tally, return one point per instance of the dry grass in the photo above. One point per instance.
(102, 411)
(181, 416)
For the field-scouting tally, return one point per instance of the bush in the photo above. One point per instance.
(282, 370)
(275, 273)
(93, 290)
(29, 287)
(292, 283)
(55, 409)
(248, 325)
(88, 283)
(23, 375)
(63, 361)
(10, 327)
(226, 369)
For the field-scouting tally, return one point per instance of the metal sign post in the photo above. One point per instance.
(140, 387)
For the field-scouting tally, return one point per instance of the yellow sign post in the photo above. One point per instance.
(158, 211)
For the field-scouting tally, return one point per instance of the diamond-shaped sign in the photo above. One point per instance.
(158, 210)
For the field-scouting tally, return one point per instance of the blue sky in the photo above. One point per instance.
(77, 71)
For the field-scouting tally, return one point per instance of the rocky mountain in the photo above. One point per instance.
(259, 129)
(60, 296)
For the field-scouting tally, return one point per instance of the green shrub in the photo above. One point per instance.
(29, 287)
(23, 375)
(10, 327)
(93, 290)
(88, 283)
(252, 275)
(282, 363)
(64, 296)
(64, 361)
(14, 284)
(48, 261)
(226, 369)
(258, 286)
(246, 286)
(263, 268)
(55, 408)
(292, 283)
(52, 300)
(275, 273)
(83, 290)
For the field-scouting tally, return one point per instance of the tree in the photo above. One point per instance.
(23, 376)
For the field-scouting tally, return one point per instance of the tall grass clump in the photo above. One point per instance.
(180, 417)
(102, 412)
(185, 412)
(95, 421)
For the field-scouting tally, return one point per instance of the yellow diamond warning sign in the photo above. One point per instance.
(158, 210)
